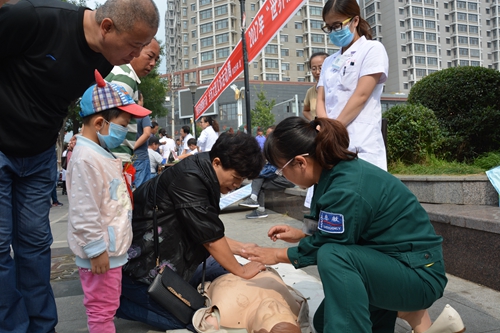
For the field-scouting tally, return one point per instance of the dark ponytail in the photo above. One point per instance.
(349, 8)
(212, 122)
(295, 136)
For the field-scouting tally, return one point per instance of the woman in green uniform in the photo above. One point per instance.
(373, 243)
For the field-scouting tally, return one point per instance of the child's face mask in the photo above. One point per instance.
(117, 134)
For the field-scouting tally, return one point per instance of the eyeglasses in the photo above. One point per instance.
(336, 26)
(279, 172)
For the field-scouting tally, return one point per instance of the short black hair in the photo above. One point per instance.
(154, 124)
(152, 140)
(192, 141)
(240, 152)
(186, 129)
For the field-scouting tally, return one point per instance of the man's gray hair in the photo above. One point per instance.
(126, 13)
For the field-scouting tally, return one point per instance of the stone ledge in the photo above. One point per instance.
(460, 190)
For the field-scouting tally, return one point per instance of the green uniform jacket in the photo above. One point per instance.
(378, 212)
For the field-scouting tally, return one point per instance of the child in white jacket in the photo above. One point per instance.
(100, 208)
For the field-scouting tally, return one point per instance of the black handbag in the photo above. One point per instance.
(170, 290)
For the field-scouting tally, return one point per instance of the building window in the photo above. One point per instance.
(299, 39)
(221, 24)
(285, 52)
(206, 14)
(463, 40)
(272, 77)
(283, 38)
(419, 47)
(418, 35)
(207, 27)
(431, 49)
(195, 61)
(416, 10)
(430, 24)
(300, 67)
(184, 12)
(223, 53)
(272, 63)
(418, 23)
(299, 53)
(403, 48)
(420, 60)
(185, 50)
(315, 24)
(475, 53)
(193, 7)
(207, 41)
(474, 29)
(420, 72)
(253, 7)
(472, 17)
(271, 48)
(185, 38)
(298, 25)
(432, 61)
(464, 62)
(205, 2)
(208, 55)
(317, 38)
(285, 67)
(430, 36)
(475, 63)
(220, 10)
(193, 33)
(313, 10)
(474, 41)
(402, 24)
(194, 47)
(222, 38)
(429, 12)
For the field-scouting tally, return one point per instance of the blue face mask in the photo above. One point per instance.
(115, 137)
(341, 38)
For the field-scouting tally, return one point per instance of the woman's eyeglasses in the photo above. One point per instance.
(337, 26)
(279, 172)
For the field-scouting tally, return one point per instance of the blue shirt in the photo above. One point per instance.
(261, 140)
(141, 152)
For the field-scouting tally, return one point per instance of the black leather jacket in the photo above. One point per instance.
(188, 197)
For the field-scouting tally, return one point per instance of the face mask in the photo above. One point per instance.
(341, 38)
(115, 137)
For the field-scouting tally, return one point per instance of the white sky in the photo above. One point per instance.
(162, 7)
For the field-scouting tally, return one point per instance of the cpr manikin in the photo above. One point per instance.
(259, 305)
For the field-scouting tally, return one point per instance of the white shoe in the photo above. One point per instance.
(449, 321)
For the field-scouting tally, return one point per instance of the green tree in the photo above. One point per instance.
(154, 89)
(466, 102)
(261, 114)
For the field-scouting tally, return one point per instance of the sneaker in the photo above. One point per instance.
(256, 214)
(57, 204)
(249, 202)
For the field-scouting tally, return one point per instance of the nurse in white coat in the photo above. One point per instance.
(351, 80)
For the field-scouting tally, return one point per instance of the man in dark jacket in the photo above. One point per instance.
(190, 230)
(50, 50)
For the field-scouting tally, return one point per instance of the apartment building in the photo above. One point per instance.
(200, 35)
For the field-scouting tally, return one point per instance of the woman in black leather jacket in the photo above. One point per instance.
(189, 227)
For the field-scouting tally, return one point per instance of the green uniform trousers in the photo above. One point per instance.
(365, 288)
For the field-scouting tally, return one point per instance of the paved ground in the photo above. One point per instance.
(478, 306)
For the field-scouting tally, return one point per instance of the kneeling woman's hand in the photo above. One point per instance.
(267, 255)
(285, 233)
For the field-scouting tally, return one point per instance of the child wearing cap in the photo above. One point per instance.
(100, 209)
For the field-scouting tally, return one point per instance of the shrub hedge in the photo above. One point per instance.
(466, 101)
(413, 133)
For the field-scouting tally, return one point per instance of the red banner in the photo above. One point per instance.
(271, 17)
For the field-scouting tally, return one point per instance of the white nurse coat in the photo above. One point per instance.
(339, 77)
